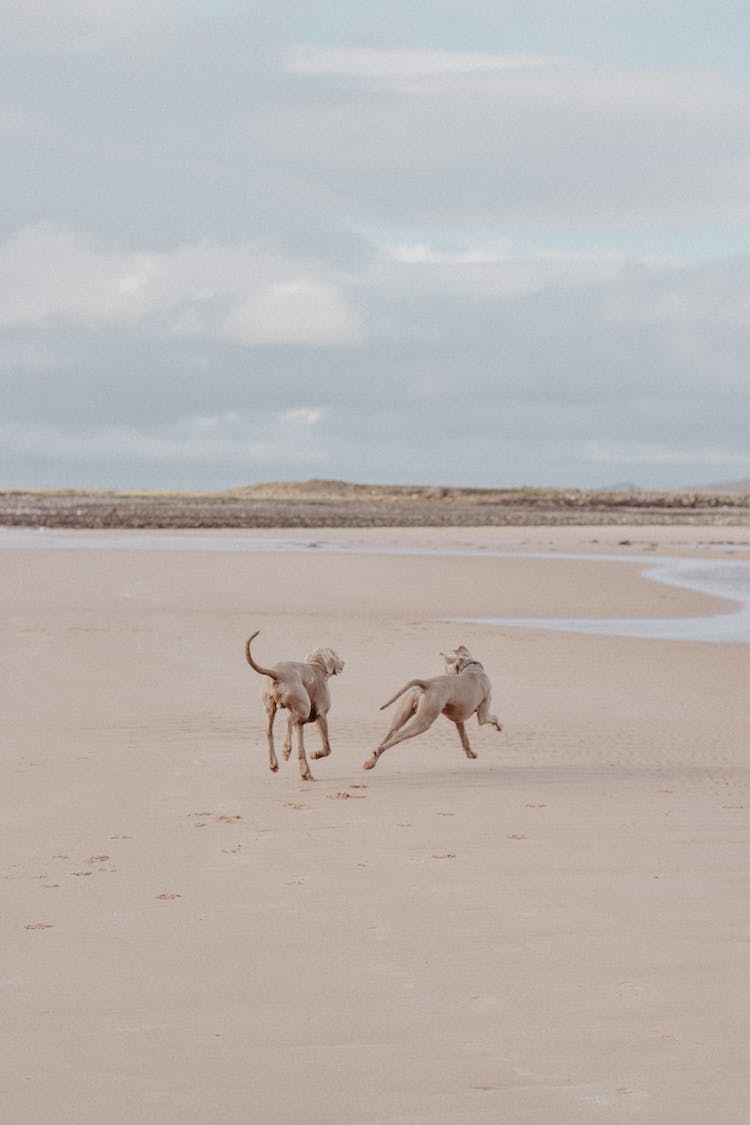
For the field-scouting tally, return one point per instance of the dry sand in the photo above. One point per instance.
(556, 932)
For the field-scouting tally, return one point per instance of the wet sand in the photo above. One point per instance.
(555, 932)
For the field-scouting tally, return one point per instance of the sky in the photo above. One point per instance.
(473, 243)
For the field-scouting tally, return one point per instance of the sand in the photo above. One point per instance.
(556, 932)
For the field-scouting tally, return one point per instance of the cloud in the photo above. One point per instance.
(221, 250)
(306, 415)
(387, 67)
(492, 270)
(444, 137)
(421, 254)
(639, 453)
(80, 25)
(27, 355)
(209, 136)
(299, 311)
(245, 293)
(240, 443)
(50, 273)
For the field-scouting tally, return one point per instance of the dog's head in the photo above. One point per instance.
(456, 659)
(329, 661)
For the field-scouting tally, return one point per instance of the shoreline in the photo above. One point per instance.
(720, 586)
(624, 538)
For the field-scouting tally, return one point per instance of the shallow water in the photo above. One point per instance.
(722, 579)
(727, 579)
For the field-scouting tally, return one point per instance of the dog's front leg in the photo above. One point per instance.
(322, 723)
(304, 768)
(484, 716)
(464, 739)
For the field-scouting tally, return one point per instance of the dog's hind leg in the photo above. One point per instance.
(424, 716)
(286, 749)
(322, 723)
(270, 706)
(464, 739)
(406, 708)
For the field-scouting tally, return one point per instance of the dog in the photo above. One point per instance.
(462, 692)
(302, 690)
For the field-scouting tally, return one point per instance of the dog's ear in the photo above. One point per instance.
(451, 659)
(334, 663)
(331, 661)
(462, 650)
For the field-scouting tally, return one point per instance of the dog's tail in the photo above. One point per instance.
(412, 683)
(251, 662)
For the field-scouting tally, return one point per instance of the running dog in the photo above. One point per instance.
(461, 693)
(302, 690)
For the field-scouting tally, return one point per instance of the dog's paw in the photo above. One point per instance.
(274, 768)
(368, 765)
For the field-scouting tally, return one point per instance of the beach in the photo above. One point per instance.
(556, 932)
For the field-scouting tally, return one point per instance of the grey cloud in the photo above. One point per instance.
(552, 144)
(211, 134)
(219, 265)
(80, 26)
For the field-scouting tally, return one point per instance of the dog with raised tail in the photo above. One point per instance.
(464, 691)
(301, 688)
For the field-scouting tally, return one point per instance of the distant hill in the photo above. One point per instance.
(725, 486)
(335, 503)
